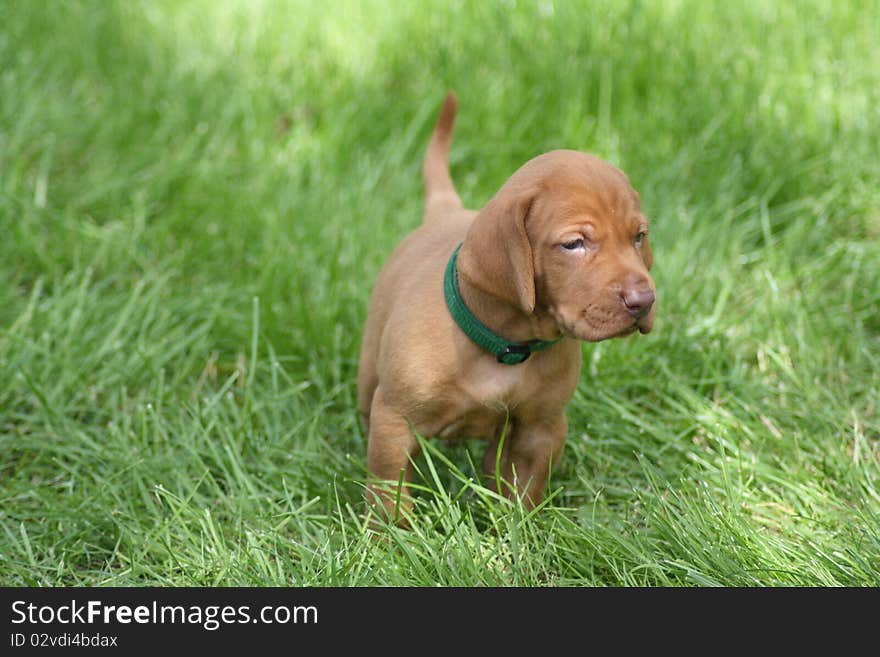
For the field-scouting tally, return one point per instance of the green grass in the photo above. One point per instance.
(195, 198)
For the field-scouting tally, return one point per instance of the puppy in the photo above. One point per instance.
(475, 321)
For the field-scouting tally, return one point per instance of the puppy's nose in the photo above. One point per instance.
(638, 299)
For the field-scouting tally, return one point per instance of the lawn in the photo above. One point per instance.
(196, 197)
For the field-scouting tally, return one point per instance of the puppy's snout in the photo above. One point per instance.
(638, 298)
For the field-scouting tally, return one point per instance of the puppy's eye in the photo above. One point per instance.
(640, 238)
(573, 245)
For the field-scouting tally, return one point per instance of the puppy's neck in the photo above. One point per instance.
(506, 319)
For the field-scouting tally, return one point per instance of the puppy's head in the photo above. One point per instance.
(565, 236)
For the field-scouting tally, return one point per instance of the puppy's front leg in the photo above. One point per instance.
(534, 447)
(390, 450)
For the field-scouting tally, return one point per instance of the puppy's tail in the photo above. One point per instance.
(440, 194)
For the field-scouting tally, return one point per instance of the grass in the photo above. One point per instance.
(195, 198)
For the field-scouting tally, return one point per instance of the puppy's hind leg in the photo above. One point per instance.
(367, 381)
(390, 450)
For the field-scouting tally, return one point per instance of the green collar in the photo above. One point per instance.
(509, 353)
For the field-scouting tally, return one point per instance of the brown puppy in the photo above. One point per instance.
(559, 255)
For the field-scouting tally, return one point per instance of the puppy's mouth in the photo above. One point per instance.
(592, 326)
(646, 323)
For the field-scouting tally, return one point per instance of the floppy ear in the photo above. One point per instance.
(496, 256)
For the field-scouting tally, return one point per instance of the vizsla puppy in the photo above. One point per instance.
(474, 323)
